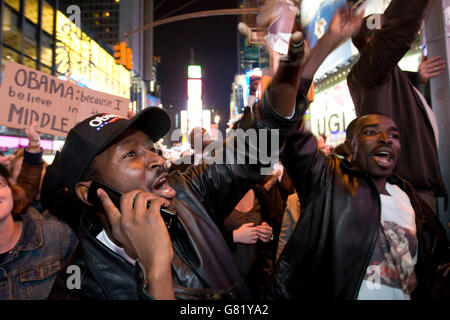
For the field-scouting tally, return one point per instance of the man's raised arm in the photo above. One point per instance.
(401, 22)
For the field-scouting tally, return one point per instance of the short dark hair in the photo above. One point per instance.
(351, 129)
(352, 125)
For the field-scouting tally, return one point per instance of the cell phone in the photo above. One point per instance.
(169, 216)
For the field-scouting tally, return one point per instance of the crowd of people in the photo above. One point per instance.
(358, 222)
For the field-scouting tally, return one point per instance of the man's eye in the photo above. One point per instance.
(129, 154)
(370, 133)
(394, 136)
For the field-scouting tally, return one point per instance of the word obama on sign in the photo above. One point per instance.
(55, 105)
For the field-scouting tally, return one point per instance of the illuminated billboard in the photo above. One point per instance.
(82, 60)
(194, 72)
(195, 105)
(331, 112)
(194, 88)
(207, 120)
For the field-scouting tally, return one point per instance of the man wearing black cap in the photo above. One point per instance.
(125, 249)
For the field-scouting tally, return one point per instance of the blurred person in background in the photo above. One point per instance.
(27, 168)
(199, 139)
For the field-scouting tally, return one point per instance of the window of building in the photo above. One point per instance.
(32, 10)
(46, 50)
(15, 4)
(29, 62)
(46, 70)
(47, 17)
(9, 55)
(11, 33)
(30, 35)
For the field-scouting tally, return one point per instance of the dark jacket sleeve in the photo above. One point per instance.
(401, 22)
(305, 163)
(30, 175)
(221, 186)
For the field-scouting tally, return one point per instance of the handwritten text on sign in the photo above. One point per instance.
(28, 95)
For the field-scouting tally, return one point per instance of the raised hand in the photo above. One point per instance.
(272, 9)
(34, 139)
(284, 86)
(345, 23)
(430, 68)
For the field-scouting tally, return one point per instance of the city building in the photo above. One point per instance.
(110, 20)
(101, 17)
(253, 59)
(37, 34)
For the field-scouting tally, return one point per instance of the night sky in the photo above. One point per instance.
(214, 40)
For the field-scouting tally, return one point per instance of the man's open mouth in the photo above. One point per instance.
(159, 183)
(161, 187)
(383, 159)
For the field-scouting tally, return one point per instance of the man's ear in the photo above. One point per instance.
(82, 189)
(348, 149)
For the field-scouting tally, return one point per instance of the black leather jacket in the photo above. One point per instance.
(331, 246)
(203, 267)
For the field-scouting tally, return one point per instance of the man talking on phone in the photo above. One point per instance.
(125, 250)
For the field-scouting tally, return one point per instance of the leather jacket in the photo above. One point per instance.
(331, 246)
(203, 266)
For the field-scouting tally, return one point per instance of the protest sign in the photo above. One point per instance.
(93, 102)
(28, 95)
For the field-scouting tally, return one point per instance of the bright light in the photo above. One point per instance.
(217, 119)
(195, 72)
(194, 88)
(194, 104)
(206, 123)
(184, 121)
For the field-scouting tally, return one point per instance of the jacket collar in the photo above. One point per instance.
(398, 181)
(112, 273)
(31, 237)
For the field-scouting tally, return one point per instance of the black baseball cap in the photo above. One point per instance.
(93, 135)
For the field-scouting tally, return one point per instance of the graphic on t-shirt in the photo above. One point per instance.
(392, 261)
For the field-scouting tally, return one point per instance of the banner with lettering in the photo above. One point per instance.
(28, 95)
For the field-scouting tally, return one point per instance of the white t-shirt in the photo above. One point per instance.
(103, 238)
(390, 274)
